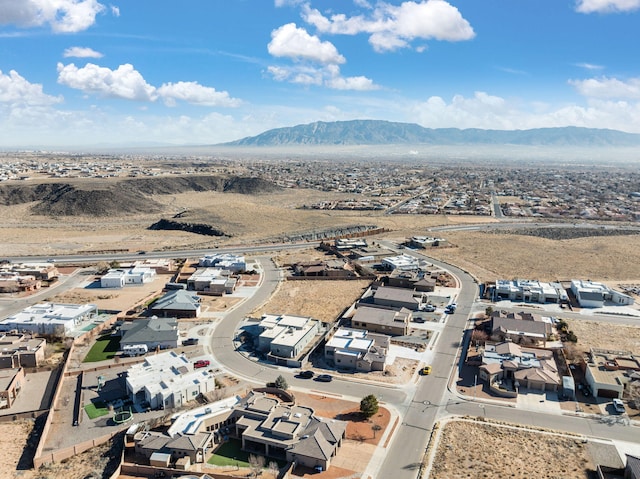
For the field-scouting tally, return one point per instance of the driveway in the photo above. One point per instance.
(536, 400)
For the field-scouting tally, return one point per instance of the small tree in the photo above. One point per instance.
(375, 428)
(256, 463)
(281, 383)
(273, 469)
(369, 405)
(488, 311)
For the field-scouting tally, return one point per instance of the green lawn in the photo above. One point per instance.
(96, 409)
(225, 454)
(230, 454)
(105, 348)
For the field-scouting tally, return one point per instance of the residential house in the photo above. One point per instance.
(268, 427)
(590, 294)
(21, 351)
(118, 278)
(403, 262)
(357, 349)
(287, 336)
(11, 381)
(415, 280)
(54, 319)
(155, 333)
(525, 367)
(530, 291)
(519, 327)
(424, 242)
(225, 261)
(399, 298)
(177, 304)
(609, 372)
(167, 380)
(203, 278)
(383, 321)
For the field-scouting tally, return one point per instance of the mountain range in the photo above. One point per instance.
(378, 132)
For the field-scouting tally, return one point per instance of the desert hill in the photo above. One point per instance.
(120, 197)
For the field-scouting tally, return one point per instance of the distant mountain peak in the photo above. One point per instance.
(381, 132)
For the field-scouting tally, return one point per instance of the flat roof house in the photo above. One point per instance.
(11, 381)
(118, 278)
(286, 336)
(226, 261)
(590, 294)
(610, 372)
(357, 349)
(167, 380)
(529, 291)
(18, 350)
(384, 321)
(54, 319)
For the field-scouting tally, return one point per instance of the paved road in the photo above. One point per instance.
(429, 402)
(224, 352)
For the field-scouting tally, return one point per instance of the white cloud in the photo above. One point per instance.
(328, 76)
(196, 94)
(16, 91)
(607, 6)
(64, 16)
(492, 112)
(338, 82)
(392, 27)
(82, 52)
(589, 66)
(608, 88)
(115, 11)
(293, 42)
(125, 82)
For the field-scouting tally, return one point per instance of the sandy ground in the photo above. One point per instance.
(495, 451)
(594, 334)
(496, 256)
(323, 300)
(13, 440)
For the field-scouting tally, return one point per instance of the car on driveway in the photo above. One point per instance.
(201, 363)
(307, 374)
(324, 378)
(618, 405)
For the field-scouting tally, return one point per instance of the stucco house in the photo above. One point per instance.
(383, 321)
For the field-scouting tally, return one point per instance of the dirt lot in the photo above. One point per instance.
(113, 299)
(497, 451)
(323, 300)
(13, 439)
(594, 334)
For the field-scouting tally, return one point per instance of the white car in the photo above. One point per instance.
(618, 405)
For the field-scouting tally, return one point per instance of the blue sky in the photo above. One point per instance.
(88, 72)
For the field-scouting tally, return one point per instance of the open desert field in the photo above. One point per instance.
(594, 334)
(272, 216)
(469, 449)
(494, 256)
